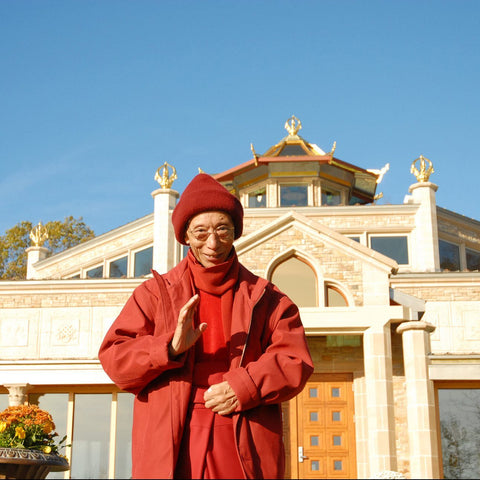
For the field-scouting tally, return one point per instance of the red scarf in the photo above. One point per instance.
(215, 285)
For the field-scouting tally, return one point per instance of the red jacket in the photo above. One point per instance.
(269, 363)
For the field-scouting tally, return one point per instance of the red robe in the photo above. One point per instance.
(269, 363)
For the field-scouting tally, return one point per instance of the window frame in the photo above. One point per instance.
(72, 390)
(448, 385)
(393, 235)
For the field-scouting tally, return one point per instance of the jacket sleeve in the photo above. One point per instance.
(283, 367)
(134, 352)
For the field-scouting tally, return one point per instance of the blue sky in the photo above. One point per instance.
(96, 95)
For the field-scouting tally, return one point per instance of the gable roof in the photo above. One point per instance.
(333, 238)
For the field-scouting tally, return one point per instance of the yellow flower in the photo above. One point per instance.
(20, 432)
(47, 449)
(48, 427)
(3, 426)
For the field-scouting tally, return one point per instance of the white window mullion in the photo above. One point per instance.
(113, 434)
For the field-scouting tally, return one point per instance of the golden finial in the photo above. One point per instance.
(255, 156)
(423, 173)
(294, 126)
(334, 146)
(39, 235)
(200, 170)
(165, 179)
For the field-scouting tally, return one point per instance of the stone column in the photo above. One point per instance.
(377, 348)
(422, 435)
(34, 255)
(17, 393)
(164, 243)
(427, 256)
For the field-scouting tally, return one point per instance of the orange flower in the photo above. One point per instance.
(48, 427)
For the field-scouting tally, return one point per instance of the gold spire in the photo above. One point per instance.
(423, 172)
(39, 235)
(294, 126)
(165, 179)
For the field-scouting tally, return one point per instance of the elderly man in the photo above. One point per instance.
(210, 350)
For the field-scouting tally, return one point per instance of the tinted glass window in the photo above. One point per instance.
(143, 262)
(331, 197)
(460, 432)
(449, 256)
(95, 272)
(473, 259)
(293, 195)
(118, 268)
(257, 199)
(392, 247)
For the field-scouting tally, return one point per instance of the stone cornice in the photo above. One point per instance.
(119, 285)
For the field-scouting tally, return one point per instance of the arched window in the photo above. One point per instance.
(334, 297)
(298, 280)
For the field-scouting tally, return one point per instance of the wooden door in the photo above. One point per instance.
(326, 431)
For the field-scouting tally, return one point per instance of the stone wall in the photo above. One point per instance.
(334, 263)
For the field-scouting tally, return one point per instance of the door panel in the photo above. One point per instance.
(326, 431)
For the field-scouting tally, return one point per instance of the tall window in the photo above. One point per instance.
(449, 256)
(98, 426)
(459, 411)
(395, 247)
(298, 281)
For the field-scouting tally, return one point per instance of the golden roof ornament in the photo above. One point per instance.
(424, 171)
(332, 151)
(164, 178)
(39, 235)
(255, 156)
(294, 126)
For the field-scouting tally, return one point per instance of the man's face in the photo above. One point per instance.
(210, 236)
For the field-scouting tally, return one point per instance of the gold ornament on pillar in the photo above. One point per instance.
(424, 170)
(163, 176)
(39, 235)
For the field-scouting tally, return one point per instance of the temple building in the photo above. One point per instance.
(389, 296)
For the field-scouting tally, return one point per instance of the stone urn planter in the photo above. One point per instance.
(25, 463)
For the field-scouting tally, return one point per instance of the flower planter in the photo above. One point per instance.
(25, 463)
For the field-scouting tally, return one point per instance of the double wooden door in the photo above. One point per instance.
(326, 430)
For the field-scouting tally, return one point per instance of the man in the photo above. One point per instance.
(210, 350)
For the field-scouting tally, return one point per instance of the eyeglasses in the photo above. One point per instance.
(223, 233)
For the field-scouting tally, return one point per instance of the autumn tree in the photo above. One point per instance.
(61, 235)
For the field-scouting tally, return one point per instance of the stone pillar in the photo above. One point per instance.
(426, 254)
(34, 255)
(422, 435)
(17, 393)
(164, 243)
(377, 348)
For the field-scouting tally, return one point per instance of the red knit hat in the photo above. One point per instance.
(205, 194)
